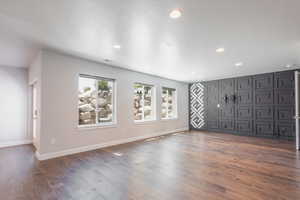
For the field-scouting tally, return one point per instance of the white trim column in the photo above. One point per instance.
(297, 117)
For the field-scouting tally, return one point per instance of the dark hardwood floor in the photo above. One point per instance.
(191, 165)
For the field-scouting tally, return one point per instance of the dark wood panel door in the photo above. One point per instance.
(244, 83)
(212, 124)
(244, 127)
(227, 91)
(285, 130)
(261, 105)
(227, 112)
(264, 128)
(285, 113)
(244, 97)
(212, 91)
(284, 80)
(213, 113)
(263, 81)
(212, 102)
(244, 112)
(227, 125)
(285, 97)
(264, 97)
(263, 113)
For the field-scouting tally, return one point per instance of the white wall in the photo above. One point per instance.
(60, 104)
(13, 106)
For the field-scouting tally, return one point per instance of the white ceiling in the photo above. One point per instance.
(263, 34)
(16, 51)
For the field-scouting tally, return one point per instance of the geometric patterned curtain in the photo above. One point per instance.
(197, 105)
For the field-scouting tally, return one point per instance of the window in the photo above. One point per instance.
(169, 103)
(144, 102)
(96, 101)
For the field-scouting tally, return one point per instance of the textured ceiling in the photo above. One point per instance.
(263, 34)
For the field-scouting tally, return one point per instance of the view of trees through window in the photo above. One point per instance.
(143, 102)
(95, 100)
(169, 107)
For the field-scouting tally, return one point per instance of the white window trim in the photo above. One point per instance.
(97, 126)
(175, 106)
(148, 121)
(153, 105)
(112, 124)
(171, 118)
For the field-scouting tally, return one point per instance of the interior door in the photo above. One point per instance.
(297, 107)
(34, 114)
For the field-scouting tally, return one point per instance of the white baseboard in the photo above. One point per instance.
(47, 156)
(14, 143)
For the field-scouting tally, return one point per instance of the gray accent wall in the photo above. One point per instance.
(261, 105)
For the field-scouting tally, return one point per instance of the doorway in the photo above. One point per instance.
(34, 113)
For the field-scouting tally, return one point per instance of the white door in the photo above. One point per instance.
(297, 107)
(34, 113)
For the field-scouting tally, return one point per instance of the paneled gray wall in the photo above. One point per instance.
(261, 105)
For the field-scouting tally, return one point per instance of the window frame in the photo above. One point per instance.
(113, 123)
(175, 106)
(153, 104)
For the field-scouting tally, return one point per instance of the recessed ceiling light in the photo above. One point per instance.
(220, 50)
(288, 66)
(116, 46)
(239, 64)
(176, 13)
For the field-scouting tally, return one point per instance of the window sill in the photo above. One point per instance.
(167, 119)
(145, 121)
(99, 126)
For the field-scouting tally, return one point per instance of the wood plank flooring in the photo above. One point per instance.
(190, 165)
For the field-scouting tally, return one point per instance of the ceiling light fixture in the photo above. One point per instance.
(288, 66)
(239, 64)
(176, 13)
(220, 50)
(116, 46)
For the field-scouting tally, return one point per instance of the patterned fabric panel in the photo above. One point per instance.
(197, 105)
